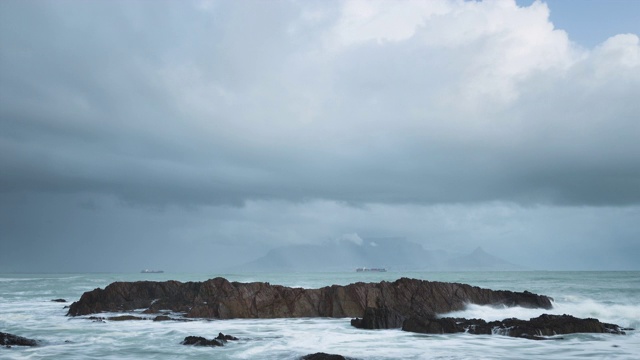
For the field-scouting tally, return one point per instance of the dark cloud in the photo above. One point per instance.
(220, 105)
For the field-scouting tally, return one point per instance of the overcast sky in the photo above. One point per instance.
(191, 136)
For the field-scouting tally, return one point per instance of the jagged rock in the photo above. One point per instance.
(219, 298)
(9, 340)
(534, 328)
(200, 341)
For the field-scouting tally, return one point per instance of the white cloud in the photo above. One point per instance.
(423, 112)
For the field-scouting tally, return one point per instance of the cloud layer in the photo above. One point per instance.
(364, 103)
(359, 102)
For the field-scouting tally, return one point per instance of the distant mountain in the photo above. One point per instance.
(392, 253)
(344, 256)
(480, 260)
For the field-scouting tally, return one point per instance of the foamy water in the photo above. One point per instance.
(26, 310)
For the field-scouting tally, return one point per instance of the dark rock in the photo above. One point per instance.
(534, 328)
(323, 356)
(379, 318)
(548, 325)
(162, 318)
(59, 300)
(219, 298)
(432, 326)
(200, 341)
(224, 338)
(124, 318)
(9, 340)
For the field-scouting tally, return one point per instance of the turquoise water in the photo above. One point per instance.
(26, 310)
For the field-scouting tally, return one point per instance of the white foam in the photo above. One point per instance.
(625, 315)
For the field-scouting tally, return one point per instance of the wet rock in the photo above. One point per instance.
(200, 341)
(124, 318)
(379, 318)
(162, 318)
(224, 338)
(534, 328)
(323, 356)
(549, 325)
(9, 340)
(220, 340)
(59, 300)
(222, 299)
(433, 326)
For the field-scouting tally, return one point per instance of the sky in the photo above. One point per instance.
(192, 136)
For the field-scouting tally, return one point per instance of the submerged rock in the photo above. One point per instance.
(387, 303)
(9, 340)
(534, 328)
(59, 300)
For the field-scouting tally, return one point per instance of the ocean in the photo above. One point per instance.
(26, 310)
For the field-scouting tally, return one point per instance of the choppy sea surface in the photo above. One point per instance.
(26, 310)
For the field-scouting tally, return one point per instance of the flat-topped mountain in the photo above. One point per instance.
(390, 253)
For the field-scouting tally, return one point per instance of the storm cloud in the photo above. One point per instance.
(201, 119)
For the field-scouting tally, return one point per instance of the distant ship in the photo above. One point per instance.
(364, 269)
(147, 271)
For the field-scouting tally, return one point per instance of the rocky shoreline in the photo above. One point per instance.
(408, 304)
(221, 299)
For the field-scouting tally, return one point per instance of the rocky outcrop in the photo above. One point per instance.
(534, 328)
(222, 299)
(9, 340)
(220, 340)
(200, 341)
(224, 338)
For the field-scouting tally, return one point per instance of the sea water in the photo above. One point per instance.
(26, 310)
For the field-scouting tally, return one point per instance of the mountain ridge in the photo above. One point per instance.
(390, 253)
